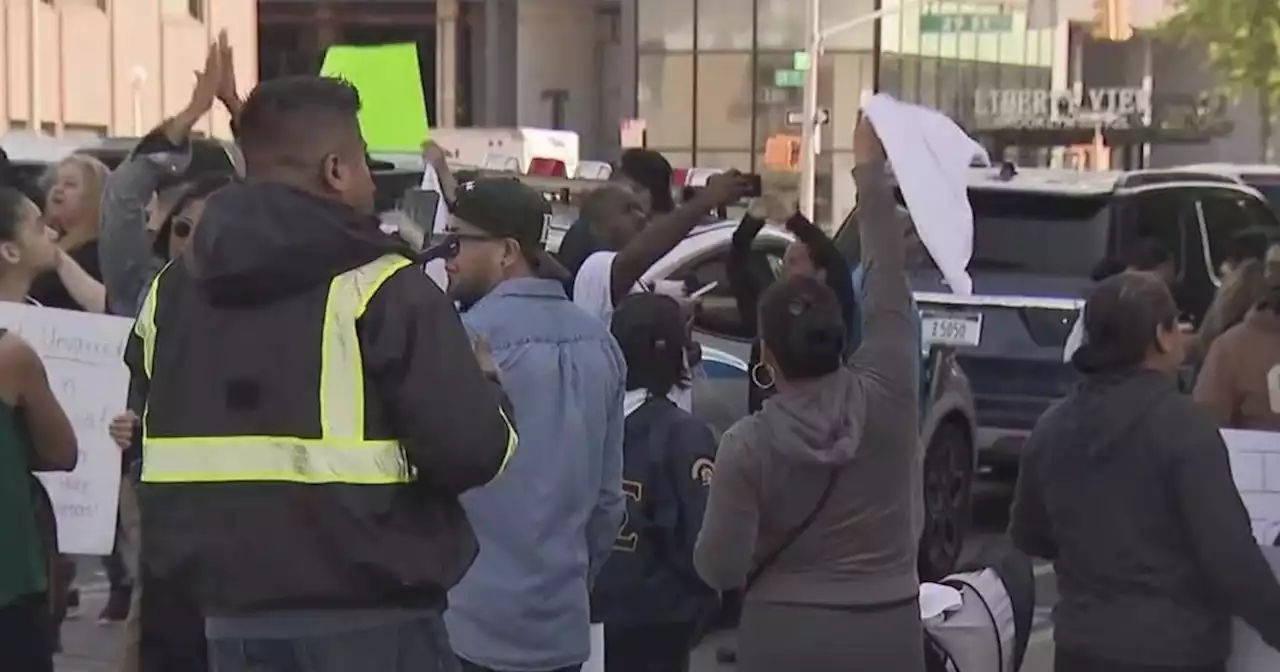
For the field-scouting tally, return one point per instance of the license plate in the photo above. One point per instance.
(951, 329)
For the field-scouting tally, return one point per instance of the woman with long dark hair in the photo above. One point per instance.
(1126, 486)
(35, 435)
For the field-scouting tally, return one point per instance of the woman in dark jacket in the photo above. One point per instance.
(1126, 486)
(813, 255)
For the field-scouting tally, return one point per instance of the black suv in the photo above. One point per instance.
(1039, 234)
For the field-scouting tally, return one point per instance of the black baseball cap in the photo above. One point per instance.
(504, 207)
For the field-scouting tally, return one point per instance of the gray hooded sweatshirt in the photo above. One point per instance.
(862, 422)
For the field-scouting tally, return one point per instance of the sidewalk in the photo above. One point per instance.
(88, 646)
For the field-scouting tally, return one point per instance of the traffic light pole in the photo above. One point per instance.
(810, 136)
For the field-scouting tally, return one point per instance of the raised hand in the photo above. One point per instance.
(207, 82)
(727, 188)
(866, 144)
(226, 91)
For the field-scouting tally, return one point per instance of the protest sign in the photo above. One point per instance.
(83, 355)
(393, 112)
(1255, 466)
(596, 662)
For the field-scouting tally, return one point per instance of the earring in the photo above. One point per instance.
(755, 375)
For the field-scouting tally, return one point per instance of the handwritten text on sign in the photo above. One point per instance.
(1255, 466)
(83, 355)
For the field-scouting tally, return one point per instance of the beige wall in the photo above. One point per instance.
(97, 66)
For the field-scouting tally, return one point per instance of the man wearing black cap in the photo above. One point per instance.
(548, 524)
(513, 220)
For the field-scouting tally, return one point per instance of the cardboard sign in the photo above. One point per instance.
(393, 112)
(83, 355)
(1255, 466)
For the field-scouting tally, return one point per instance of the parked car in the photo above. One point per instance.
(1039, 235)
(720, 394)
(1264, 177)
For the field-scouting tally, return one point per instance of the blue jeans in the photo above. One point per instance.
(415, 646)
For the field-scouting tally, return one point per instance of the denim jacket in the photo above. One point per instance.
(549, 521)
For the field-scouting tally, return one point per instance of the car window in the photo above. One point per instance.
(1269, 185)
(1071, 233)
(718, 314)
(1164, 215)
(1223, 214)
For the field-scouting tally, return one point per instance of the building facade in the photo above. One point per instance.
(559, 64)
(114, 67)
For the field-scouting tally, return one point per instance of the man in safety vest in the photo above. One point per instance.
(314, 410)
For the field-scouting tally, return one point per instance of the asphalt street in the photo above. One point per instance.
(92, 647)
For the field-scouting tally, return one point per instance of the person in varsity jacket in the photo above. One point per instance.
(648, 595)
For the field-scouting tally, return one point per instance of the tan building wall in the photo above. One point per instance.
(117, 67)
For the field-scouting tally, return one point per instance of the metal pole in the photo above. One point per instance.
(810, 138)
(33, 66)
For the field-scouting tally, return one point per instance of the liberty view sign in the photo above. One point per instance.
(1040, 108)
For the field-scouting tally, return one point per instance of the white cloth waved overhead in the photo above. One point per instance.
(930, 156)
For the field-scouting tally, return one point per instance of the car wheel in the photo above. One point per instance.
(948, 504)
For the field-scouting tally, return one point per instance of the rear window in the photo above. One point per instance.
(1038, 234)
(1269, 185)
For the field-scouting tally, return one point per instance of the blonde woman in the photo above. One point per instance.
(71, 209)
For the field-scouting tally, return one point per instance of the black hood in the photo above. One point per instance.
(258, 242)
(1107, 406)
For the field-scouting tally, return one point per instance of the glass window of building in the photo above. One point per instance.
(837, 12)
(773, 101)
(724, 24)
(780, 24)
(928, 91)
(665, 99)
(725, 88)
(715, 159)
(665, 24)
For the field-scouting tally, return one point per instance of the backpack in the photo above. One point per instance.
(990, 630)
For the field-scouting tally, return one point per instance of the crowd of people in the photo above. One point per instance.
(332, 463)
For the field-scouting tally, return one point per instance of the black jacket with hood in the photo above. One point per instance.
(1126, 486)
(238, 317)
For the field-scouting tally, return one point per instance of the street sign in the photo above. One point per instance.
(966, 23)
(796, 117)
(788, 79)
(800, 61)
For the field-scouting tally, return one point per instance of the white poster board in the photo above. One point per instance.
(596, 662)
(84, 357)
(1255, 466)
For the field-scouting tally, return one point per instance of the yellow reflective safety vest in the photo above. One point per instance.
(341, 455)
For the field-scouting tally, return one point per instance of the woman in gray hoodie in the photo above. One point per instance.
(815, 506)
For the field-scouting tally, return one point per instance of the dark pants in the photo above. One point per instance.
(1071, 661)
(655, 648)
(468, 666)
(782, 637)
(171, 629)
(117, 570)
(415, 646)
(26, 643)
